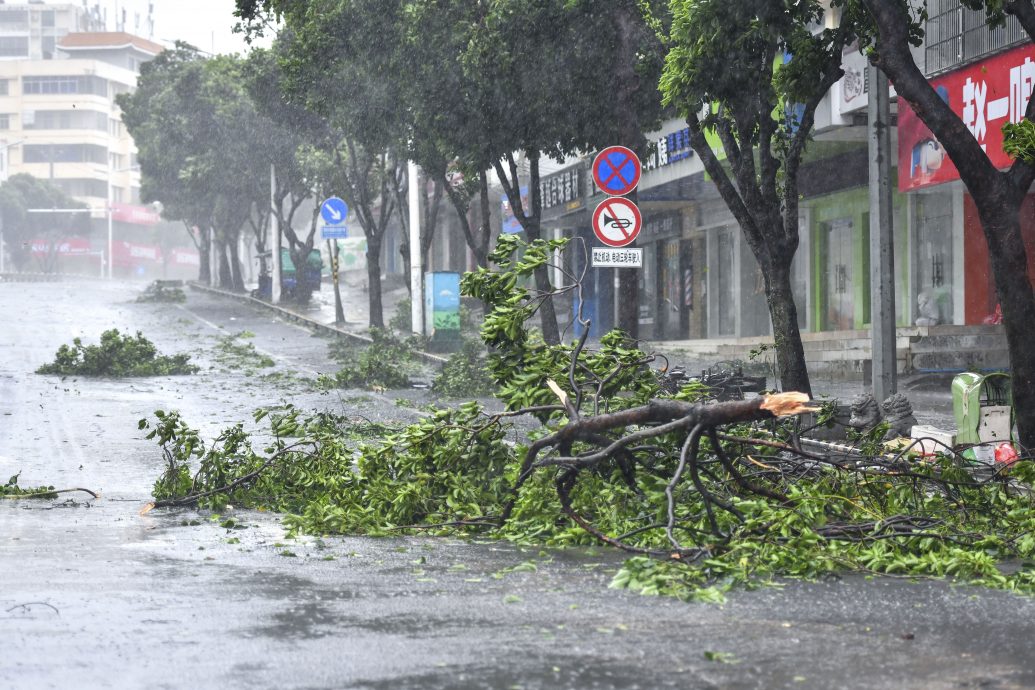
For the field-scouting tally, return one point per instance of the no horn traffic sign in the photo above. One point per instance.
(616, 170)
(617, 221)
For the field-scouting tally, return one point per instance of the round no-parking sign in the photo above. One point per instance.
(617, 221)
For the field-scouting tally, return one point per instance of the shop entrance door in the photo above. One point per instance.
(839, 286)
(671, 312)
(725, 284)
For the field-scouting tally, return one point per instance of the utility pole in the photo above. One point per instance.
(882, 235)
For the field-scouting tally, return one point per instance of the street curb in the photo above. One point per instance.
(303, 320)
(37, 277)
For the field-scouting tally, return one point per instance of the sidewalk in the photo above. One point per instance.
(930, 394)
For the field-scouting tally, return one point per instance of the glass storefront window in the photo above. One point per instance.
(932, 223)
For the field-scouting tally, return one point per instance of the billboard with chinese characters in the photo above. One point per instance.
(986, 96)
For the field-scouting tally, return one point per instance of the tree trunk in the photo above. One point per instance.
(481, 252)
(236, 277)
(225, 280)
(205, 256)
(551, 333)
(377, 319)
(790, 355)
(1000, 221)
(628, 83)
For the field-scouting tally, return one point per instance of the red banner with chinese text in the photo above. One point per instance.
(986, 96)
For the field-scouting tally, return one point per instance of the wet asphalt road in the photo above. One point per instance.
(92, 595)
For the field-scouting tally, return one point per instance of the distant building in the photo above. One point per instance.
(59, 121)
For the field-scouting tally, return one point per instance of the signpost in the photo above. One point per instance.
(335, 213)
(617, 221)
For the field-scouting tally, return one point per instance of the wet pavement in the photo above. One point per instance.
(94, 595)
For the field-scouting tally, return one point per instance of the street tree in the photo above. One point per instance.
(726, 72)
(290, 131)
(890, 28)
(200, 149)
(158, 116)
(333, 69)
(22, 230)
(592, 87)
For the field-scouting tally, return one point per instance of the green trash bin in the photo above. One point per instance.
(983, 407)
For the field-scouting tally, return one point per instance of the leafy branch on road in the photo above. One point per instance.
(707, 495)
(118, 356)
(11, 490)
(235, 352)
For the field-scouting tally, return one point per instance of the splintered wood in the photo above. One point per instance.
(787, 404)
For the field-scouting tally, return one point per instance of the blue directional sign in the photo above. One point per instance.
(334, 211)
(334, 232)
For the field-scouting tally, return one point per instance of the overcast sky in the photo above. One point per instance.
(208, 24)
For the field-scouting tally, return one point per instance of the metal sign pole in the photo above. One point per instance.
(339, 312)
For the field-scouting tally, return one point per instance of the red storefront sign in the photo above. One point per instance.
(67, 245)
(986, 96)
(137, 215)
(185, 257)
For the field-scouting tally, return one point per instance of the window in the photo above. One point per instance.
(5, 121)
(13, 20)
(4, 87)
(14, 46)
(64, 153)
(65, 84)
(47, 44)
(67, 119)
(47, 18)
(956, 35)
(82, 186)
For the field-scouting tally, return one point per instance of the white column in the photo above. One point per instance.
(274, 241)
(111, 263)
(416, 279)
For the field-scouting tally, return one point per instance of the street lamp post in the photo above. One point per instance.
(3, 178)
(111, 241)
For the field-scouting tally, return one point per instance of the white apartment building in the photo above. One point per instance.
(59, 120)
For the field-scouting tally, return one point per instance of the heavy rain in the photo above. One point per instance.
(517, 344)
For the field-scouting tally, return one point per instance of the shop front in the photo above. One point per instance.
(953, 276)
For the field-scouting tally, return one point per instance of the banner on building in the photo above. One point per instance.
(986, 96)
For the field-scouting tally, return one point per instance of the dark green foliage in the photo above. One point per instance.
(234, 352)
(455, 471)
(465, 374)
(117, 355)
(158, 291)
(386, 363)
(22, 192)
(521, 363)
(11, 490)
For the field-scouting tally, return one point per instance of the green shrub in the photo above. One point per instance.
(159, 291)
(464, 375)
(118, 356)
(386, 363)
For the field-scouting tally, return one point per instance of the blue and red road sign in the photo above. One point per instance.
(616, 170)
(617, 221)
